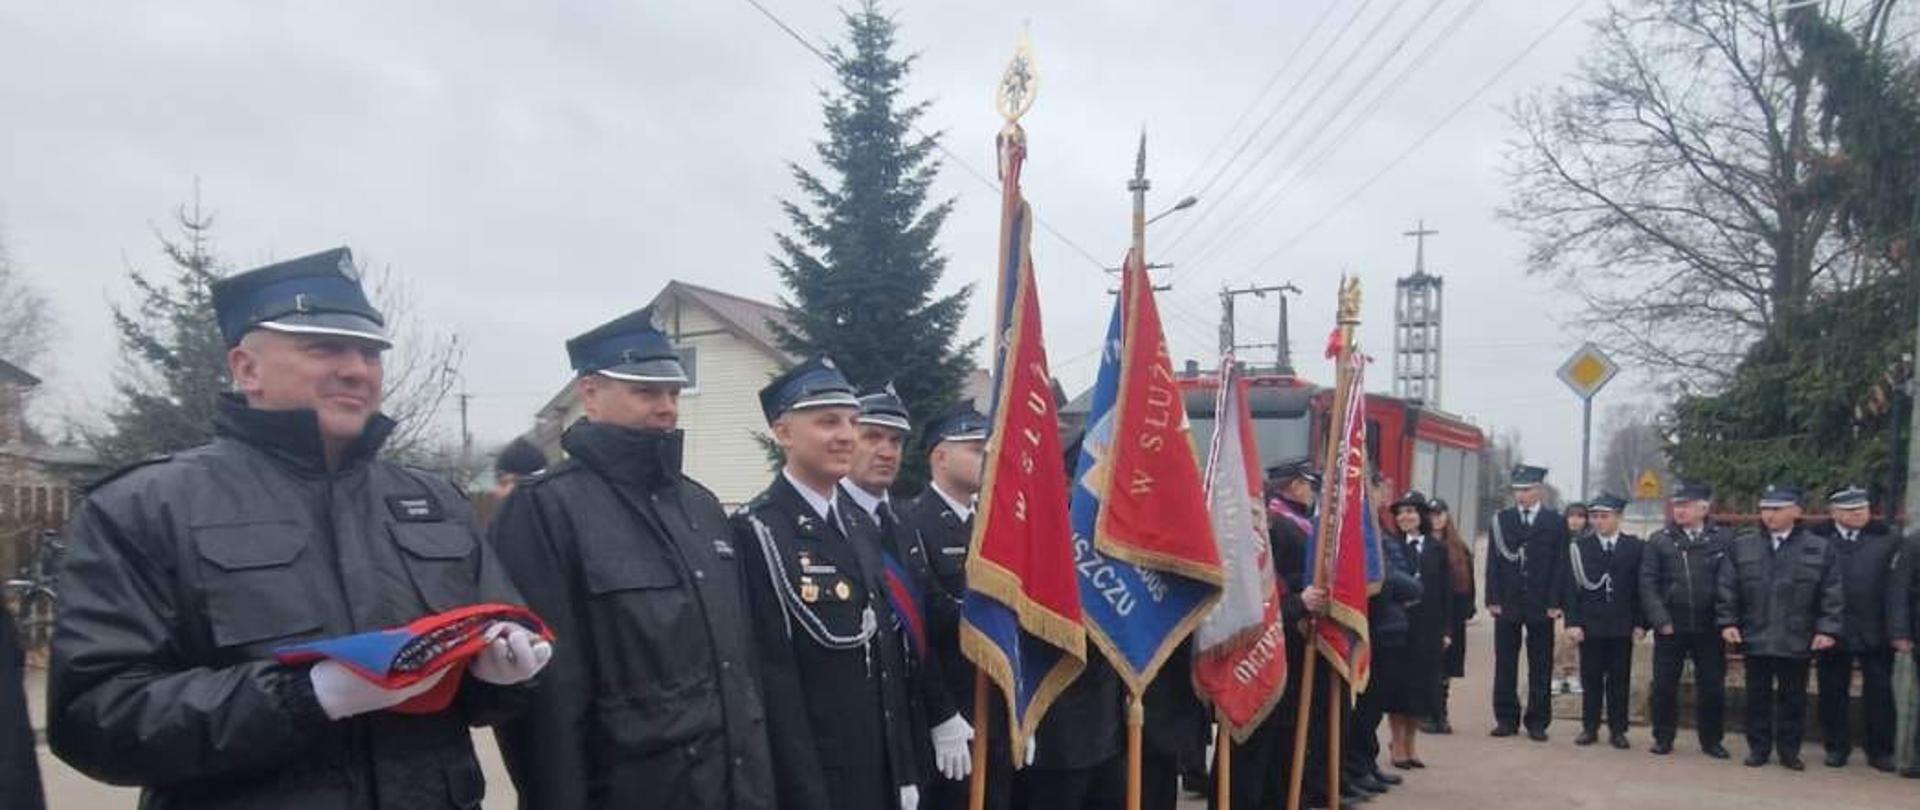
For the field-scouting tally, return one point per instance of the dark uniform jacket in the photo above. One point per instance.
(1680, 578)
(1903, 611)
(831, 669)
(1086, 725)
(1866, 574)
(19, 766)
(1524, 562)
(934, 542)
(184, 575)
(1430, 617)
(1780, 599)
(1602, 590)
(650, 698)
(1388, 622)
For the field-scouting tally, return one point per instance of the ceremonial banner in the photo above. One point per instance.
(1021, 618)
(1143, 544)
(1353, 569)
(1241, 661)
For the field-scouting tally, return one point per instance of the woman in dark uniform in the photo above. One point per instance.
(1413, 692)
(1460, 577)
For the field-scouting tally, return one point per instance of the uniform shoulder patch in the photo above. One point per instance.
(123, 471)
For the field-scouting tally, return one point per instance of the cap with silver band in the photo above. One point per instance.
(884, 408)
(318, 294)
(816, 383)
(629, 348)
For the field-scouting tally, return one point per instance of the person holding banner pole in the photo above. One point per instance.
(1345, 558)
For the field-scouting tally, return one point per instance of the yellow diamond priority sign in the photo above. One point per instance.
(1588, 371)
(1648, 487)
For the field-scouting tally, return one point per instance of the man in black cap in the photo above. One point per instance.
(652, 700)
(1604, 618)
(1781, 600)
(517, 460)
(1679, 581)
(831, 666)
(1529, 548)
(185, 573)
(1865, 551)
(938, 532)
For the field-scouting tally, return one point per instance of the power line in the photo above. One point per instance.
(1288, 177)
(1279, 107)
(1226, 136)
(1390, 165)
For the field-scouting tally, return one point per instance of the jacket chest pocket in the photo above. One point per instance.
(439, 560)
(251, 579)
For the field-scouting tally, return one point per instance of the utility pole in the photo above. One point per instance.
(466, 436)
(1282, 346)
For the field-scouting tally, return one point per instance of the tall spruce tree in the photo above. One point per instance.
(861, 263)
(177, 360)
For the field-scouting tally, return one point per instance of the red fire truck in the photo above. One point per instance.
(1412, 446)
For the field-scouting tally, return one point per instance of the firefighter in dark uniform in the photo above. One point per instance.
(939, 531)
(652, 700)
(19, 763)
(1679, 581)
(939, 733)
(1528, 549)
(1781, 601)
(185, 573)
(1261, 765)
(1076, 758)
(831, 666)
(1903, 617)
(1604, 618)
(1865, 551)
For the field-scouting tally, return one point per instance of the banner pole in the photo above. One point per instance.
(1222, 765)
(1333, 745)
(1136, 721)
(1296, 776)
(977, 791)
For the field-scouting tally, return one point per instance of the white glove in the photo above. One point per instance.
(514, 656)
(950, 754)
(1033, 744)
(909, 798)
(343, 693)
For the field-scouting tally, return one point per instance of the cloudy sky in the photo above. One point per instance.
(534, 171)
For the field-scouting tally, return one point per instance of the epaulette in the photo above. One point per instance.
(116, 474)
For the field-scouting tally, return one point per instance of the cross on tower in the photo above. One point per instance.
(1420, 233)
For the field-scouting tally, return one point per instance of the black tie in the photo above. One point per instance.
(887, 520)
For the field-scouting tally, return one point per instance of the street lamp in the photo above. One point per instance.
(1185, 203)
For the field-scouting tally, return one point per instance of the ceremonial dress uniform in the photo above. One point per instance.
(831, 663)
(1603, 602)
(1527, 552)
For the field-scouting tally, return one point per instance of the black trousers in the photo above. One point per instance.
(1508, 636)
(1835, 670)
(1159, 781)
(1263, 764)
(1776, 703)
(1606, 671)
(1709, 654)
(1101, 787)
(1360, 740)
(941, 793)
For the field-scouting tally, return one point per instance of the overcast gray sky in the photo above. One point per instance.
(535, 171)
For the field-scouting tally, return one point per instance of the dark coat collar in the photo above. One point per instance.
(649, 458)
(292, 438)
